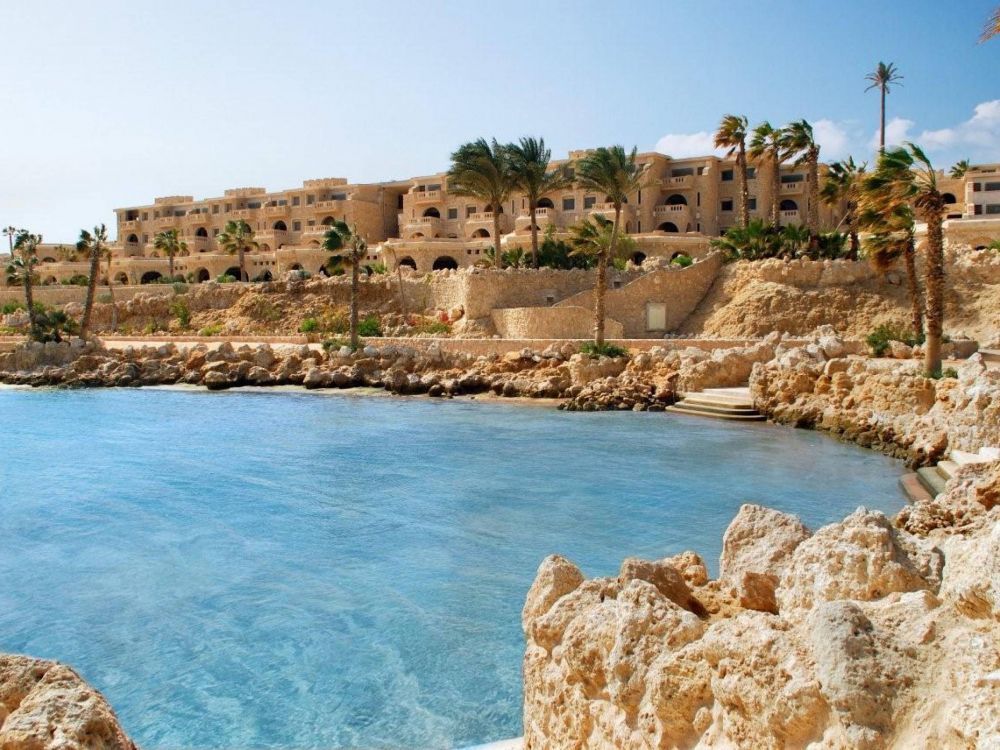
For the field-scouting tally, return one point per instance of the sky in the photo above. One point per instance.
(109, 104)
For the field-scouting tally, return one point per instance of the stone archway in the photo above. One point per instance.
(408, 262)
(638, 258)
(789, 205)
(121, 278)
(201, 232)
(150, 277)
(443, 263)
(675, 200)
(545, 203)
(432, 213)
(668, 226)
(481, 233)
(202, 275)
(280, 226)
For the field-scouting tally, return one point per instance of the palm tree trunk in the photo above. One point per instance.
(88, 305)
(399, 278)
(916, 306)
(29, 300)
(243, 270)
(602, 282)
(496, 238)
(355, 273)
(776, 198)
(111, 292)
(881, 131)
(812, 215)
(534, 236)
(170, 265)
(855, 241)
(935, 293)
(741, 164)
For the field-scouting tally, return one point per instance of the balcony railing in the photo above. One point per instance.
(792, 187)
(166, 222)
(242, 213)
(482, 216)
(789, 216)
(327, 205)
(670, 209)
(426, 196)
(129, 224)
(681, 181)
(276, 210)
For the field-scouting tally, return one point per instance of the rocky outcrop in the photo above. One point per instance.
(862, 635)
(883, 404)
(47, 706)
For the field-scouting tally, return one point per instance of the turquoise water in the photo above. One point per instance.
(268, 569)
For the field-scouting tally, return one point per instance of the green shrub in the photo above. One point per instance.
(179, 286)
(211, 330)
(52, 324)
(77, 279)
(226, 279)
(591, 349)
(377, 268)
(179, 309)
(682, 260)
(370, 325)
(309, 325)
(104, 299)
(151, 327)
(433, 327)
(9, 307)
(329, 344)
(878, 340)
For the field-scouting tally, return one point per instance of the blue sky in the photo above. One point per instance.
(109, 104)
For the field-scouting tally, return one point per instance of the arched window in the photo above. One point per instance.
(789, 205)
(150, 277)
(134, 239)
(432, 213)
(202, 275)
(202, 232)
(638, 258)
(676, 200)
(545, 203)
(948, 198)
(667, 226)
(408, 262)
(479, 233)
(280, 226)
(328, 221)
(444, 262)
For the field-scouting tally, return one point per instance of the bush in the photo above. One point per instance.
(151, 327)
(77, 279)
(878, 340)
(591, 349)
(370, 325)
(104, 299)
(179, 309)
(682, 260)
(211, 330)
(9, 307)
(309, 325)
(433, 327)
(377, 268)
(329, 344)
(226, 279)
(52, 324)
(179, 286)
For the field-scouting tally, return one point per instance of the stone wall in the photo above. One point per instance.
(563, 322)
(680, 289)
(61, 295)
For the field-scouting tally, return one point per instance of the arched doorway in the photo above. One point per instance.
(150, 277)
(133, 239)
(789, 205)
(444, 263)
(949, 198)
(480, 233)
(201, 232)
(202, 275)
(234, 271)
(545, 203)
(667, 226)
(408, 262)
(328, 221)
(432, 213)
(638, 258)
(676, 200)
(280, 226)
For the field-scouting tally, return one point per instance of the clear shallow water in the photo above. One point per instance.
(254, 570)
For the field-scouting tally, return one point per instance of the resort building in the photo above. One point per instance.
(418, 223)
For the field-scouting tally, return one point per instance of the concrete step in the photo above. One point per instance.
(914, 488)
(947, 469)
(716, 412)
(718, 404)
(931, 479)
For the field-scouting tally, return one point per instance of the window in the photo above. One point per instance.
(727, 204)
(976, 187)
(727, 175)
(215, 208)
(697, 199)
(751, 173)
(589, 201)
(992, 186)
(452, 214)
(338, 196)
(682, 171)
(640, 197)
(296, 226)
(310, 199)
(145, 215)
(993, 208)
(789, 178)
(311, 223)
(977, 210)
(229, 207)
(145, 239)
(752, 204)
(469, 211)
(434, 187)
(656, 316)
(295, 200)
(570, 172)
(701, 171)
(569, 204)
(253, 204)
(215, 232)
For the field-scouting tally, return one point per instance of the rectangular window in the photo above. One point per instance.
(701, 171)
(469, 211)
(434, 187)
(589, 201)
(751, 173)
(145, 239)
(338, 197)
(229, 207)
(697, 198)
(215, 208)
(569, 204)
(656, 316)
(145, 215)
(296, 226)
(727, 205)
(752, 204)
(215, 232)
(253, 204)
(788, 178)
(727, 175)
(452, 214)
(992, 186)
(976, 187)
(295, 200)
(310, 199)
(977, 209)
(311, 223)
(682, 172)
(993, 208)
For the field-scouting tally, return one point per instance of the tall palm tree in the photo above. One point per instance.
(842, 186)
(11, 232)
(529, 166)
(169, 242)
(766, 146)
(343, 242)
(992, 27)
(21, 270)
(482, 170)
(798, 143)
(612, 172)
(732, 135)
(237, 237)
(905, 175)
(883, 78)
(94, 245)
(959, 168)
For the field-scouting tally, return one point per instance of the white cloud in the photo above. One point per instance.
(897, 130)
(680, 145)
(833, 138)
(981, 131)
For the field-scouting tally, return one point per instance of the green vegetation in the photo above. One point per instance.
(179, 309)
(211, 330)
(309, 325)
(528, 162)
(593, 349)
(8, 307)
(237, 237)
(878, 340)
(345, 243)
(226, 279)
(378, 268)
(95, 245)
(483, 170)
(52, 325)
(77, 279)
(335, 343)
(370, 326)
(169, 242)
(682, 260)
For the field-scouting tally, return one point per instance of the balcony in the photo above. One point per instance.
(277, 211)
(425, 196)
(166, 222)
(196, 218)
(199, 244)
(792, 188)
(666, 211)
(543, 217)
(679, 183)
(790, 217)
(315, 232)
(481, 217)
(330, 205)
(608, 210)
(242, 213)
(423, 224)
(128, 225)
(271, 237)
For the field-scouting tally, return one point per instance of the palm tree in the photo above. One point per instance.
(905, 175)
(992, 27)
(21, 270)
(11, 232)
(170, 243)
(237, 237)
(529, 165)
(793, 237)
(482, 170)
(108, 257)
(798, 142)
(842, 187)
(766, 146)
(345, 243)
(959, 168)
(732, 135)
(591, 238)
(94, 245)
(756, 241)
(883, 78)
(612, 172)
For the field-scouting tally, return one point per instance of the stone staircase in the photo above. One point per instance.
(929, 482)
(719, 403)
